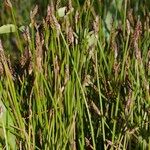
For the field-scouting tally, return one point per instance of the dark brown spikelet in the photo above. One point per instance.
(69, 7)
(136, 37)
(138, 30)
(56, 67)
(128, 102)
(26, 35)
(48, 16)
(5, 64)
(70, 36)
(50, 12)
(2, 58)
(26, 61)
(39, 51)
(26, 58)
(51, 19)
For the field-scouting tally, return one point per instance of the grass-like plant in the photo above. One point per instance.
(75, 75)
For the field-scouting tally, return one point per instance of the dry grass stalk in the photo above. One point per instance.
(77, 17)
(128, 27)
(67, 74)
(39, 51)
(10, 65)
(26, 35)
(52, 8)
(88, 144)
(56, 24)
(138, 31)
(116, 68)
(33, 14)
(87, 81)
(48, 17)
(114, 45)
(51, 19)
(94, 108)
(96, 25)
(26, 61)
(136, 36)
(26, 58)
(147, 23)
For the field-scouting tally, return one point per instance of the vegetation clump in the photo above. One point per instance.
(75, 74)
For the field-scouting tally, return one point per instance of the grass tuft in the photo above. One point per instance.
(74, 75)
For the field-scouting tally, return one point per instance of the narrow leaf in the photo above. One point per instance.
(9, 28)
